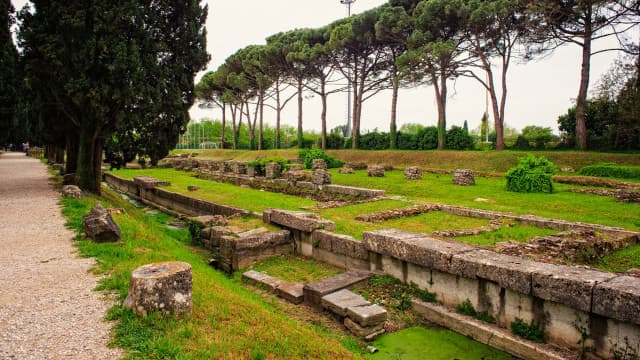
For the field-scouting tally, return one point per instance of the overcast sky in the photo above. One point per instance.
(538, 91)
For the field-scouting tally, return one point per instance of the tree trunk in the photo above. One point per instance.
(224, 124)
(440, 87)
(261, 128)
(394, 110)
(323, 115)
(89, 160)
(59, 155)
(358, 107)
(354, 112)
(581, 101)
(300, 135)
(278, 110)
(71, 164)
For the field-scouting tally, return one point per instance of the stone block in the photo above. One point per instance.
(618, 298)
(464, 177)
(269, 282)
(354, 191)
(510, 272)
(298, 220)
(413, 173)
(99, 226)
(148, 182)
(321, 177)
(367, 315)
(71, 191)
(568, 285)
(318, 164)
(307, 185)
(375, 171)
(339, 301)
(413, 248)
(272, 170)
(346, 170)
(367, 333)
(314, 291)
(292, 292)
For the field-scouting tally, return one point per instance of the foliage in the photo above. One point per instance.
(260, 164)
(529, 331)
(9, 76)
(423, 294)
(307, 156)
(537, 135)
(466, 308)
(522, 143)
(531, 175)
(374, 141)
(458, 139)
(611, 170)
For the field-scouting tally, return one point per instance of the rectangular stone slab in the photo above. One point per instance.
(297, 220)
(339, 301)
(618, 298)
(414, 248)
(568, 285)
(292, 292)
(257, 277)
(367, 333)
(369, 315)
(314, 291)
(509, 272)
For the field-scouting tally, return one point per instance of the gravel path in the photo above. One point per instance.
(47, 307)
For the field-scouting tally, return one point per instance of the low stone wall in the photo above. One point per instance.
(169, 200)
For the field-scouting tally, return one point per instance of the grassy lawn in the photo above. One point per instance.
(228, 320)
(560, 205)
(292, 268)
(519, 233)
(620, 260)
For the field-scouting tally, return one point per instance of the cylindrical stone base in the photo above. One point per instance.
(161, 287)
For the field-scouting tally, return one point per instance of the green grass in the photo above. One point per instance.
(620, 260)
(560, 205)
(291, 268)
(228, 321)
(248, 199)
(417, 343)
(520, 233)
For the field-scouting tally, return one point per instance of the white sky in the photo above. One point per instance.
(538, 91)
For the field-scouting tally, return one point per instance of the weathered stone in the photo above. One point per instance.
(568, 285)
(340, 244)
(618, 298)
(252, 171)
(357, 165)
(292, 292)
(354, 191)
(193, 188)
(510, 272)
(297, 220)
(164, 287)
(464, 177)
(398, 213)
(339, 301)
(313, 292)
(59, 168)
(209, 220)
(239, 167)
(293, 176)
(346, 170)
(413, 173)
(321, 177)
(318, 164)
(148, 182)
(71, 191)
(568, 169)
(240, 251)
(627, 196)
(99, 226)
(307, 185)
(375, 170)
(272, 170)
(414, 248)
(368, 315)
(269, 282)
(367, 333)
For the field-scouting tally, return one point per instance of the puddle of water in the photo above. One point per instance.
(417, 343)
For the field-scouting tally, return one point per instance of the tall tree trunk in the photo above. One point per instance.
(440, 87)
(89, 160)
(71, 164)
(354, 117)
(323, 115)
(300, 135)
(261, 128)
(393, 133)
(278, 114)
(59, 155)
(224, 124)
(581, 101)
(358, 107)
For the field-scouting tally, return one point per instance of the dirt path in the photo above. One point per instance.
(47, 307)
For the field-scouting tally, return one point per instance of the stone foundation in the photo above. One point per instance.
(464, 177)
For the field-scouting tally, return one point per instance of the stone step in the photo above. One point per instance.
(292, 292)
(313, 292)
(270, 282)
(367, 333)
(339, 301)
(367, 316)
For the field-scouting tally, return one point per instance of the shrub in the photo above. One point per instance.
(531, 175)
(334, 141)
(458, 139)
(307, 156)
(466, 308)
(522, 143)
(259, 164)
(427, 138)
(422, 294)
(611, 170)
(529, 331)
(407, 141)
(374, 141)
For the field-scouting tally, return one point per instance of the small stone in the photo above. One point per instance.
(345, 170)
(193, 188)
(483, 200)
(71, 191)
(99, 226)
(413, 173)
(567, 170)
(375, 171)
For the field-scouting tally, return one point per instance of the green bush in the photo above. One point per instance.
(458, 139)
(427, 138)
(531, 175)
(529, 331)
(522, 143)
(374, 141)
(611, 170)
(260, 164)
(307, 156)
(466, 308)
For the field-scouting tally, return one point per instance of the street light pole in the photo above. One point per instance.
(347, 130)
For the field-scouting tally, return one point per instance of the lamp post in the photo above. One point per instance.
(347, 130)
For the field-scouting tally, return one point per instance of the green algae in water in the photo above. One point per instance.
(418, 343)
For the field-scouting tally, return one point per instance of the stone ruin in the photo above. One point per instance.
(161, 287)
(99, 226)
(71, 191)
(346, 170)
(375, 171)
(413, 173)
(464, 177)
(320, 175)
(272, 170)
